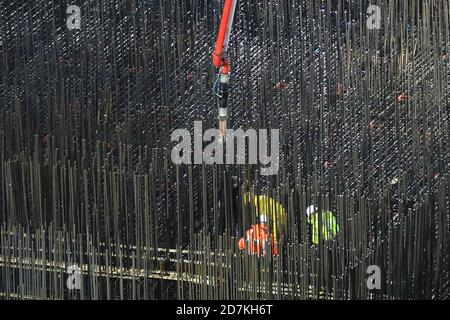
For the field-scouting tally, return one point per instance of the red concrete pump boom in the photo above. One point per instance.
(221, 62)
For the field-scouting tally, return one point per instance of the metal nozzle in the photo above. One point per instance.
(222, 128)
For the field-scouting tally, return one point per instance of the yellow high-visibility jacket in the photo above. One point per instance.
(269, 209)
(329, 226)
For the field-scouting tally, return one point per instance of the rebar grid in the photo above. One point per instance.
(86, 177)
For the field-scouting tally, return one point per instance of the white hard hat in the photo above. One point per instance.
(310, 210)
(263, 218)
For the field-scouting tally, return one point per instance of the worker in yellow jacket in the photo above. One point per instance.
(271, 220)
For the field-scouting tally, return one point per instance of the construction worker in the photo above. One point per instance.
(271, 217)
(271, 220)
(257, 239)
(324, 228)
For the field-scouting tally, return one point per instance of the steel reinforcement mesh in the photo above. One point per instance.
(87, 180)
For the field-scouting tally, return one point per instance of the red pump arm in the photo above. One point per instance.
(218, 58)
(221, 62)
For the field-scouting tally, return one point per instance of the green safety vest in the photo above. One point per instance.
(328, 224)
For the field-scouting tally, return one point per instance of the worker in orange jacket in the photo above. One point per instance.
(271, 218)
